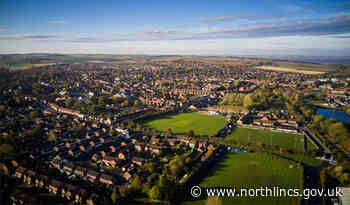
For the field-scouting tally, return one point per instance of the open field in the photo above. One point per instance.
(293, 70)
(253, 170)
(201, 124)
(265, 136)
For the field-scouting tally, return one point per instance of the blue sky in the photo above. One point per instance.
(229, 27)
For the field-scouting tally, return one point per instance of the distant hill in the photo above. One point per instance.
(299, 62)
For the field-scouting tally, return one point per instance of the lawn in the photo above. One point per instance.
(266, 136)
(201, 124)
(253, 170)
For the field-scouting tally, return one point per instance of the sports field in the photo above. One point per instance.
(253, 170)
(201, 124)
(266, 136)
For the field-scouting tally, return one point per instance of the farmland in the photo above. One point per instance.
(236, 171)
(201, 124)
(293, 70)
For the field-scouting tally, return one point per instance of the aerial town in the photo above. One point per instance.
(145, 132)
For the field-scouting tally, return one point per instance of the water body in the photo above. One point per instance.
(336, 114)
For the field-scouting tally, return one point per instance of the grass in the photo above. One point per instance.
(304, 158)
(201, 124)
(266, 136)
(253, 170)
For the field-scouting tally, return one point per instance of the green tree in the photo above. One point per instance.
(169, 133)
(150, 166)
(348, 110)
(136, 184)
(337, 130)
(69, 102)
(114, 197)
(190, 133)
(248, 101)
(155, 193)
(213, 201)
(6, 149)
(101, 100)
(236, 83)
(52, 137)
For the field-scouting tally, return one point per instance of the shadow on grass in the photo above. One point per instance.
(163, 117)
(210, 170)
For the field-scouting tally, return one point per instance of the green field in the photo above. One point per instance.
(266, 136)
(253, 170)
(201, 124)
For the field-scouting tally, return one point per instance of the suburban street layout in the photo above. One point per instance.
(176, 103)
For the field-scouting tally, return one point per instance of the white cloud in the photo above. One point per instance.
(289, 45)
(26, 36)
(58, 22)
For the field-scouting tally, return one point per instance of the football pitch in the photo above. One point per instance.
(201, 124)
(253, 170)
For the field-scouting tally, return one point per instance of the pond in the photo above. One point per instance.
(336, 114)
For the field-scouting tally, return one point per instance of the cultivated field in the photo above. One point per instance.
(265, 136)
(253, 170)
(201, 124)
(293, 70)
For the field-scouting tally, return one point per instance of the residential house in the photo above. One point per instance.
(68, 167)
(80, 171)
(30, 179)
(127, 176)
(68, 191)
(109, 161)
(106, 179)
(92, 175)
(55, 163)
(54, 186)
(137, 160)
(20, 172)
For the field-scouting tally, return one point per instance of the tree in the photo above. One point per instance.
(213, 201)
(169, 133)
(337, 130)
(101, 100)
(125, 103)
(248, 101)
(317, 119)
(348, 110)
(236, 83)
(163, 182)
(112, 131)
(190, 133)
(6, 149)
(155, 193)
(150, 166)
(69, 102)
(52, 137)
(125, 191)
(136, 184)
(114, 197)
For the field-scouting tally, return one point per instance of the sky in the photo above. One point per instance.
(185, 27)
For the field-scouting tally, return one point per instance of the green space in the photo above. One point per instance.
(253, 170)
(267, 136)
(303, 158)
(201, 124)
